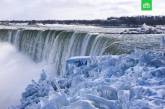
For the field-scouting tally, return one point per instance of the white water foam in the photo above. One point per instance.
(16, 71)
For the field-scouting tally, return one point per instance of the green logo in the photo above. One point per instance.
(146, 5)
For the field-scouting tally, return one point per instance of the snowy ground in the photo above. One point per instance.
(133, 81)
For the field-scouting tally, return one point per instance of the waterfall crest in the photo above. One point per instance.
(55, 46)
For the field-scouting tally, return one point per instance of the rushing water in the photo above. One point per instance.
(54, 47)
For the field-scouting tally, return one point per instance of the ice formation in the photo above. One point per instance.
(129, 81)
(144, 29)
(162, 42)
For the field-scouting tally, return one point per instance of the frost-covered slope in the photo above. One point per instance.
(134, 81)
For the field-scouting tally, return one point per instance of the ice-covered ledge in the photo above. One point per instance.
(131, 81)
(84, 61)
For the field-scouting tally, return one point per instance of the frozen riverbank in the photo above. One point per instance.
(134, 81)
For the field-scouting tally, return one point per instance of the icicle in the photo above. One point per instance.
(162, 42)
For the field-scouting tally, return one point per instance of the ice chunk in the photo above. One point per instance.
(162, 42)
(132, 81)
(160, 72)
(124, 98)
(82, 104)
(107, 92)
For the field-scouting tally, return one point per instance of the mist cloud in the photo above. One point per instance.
(16, 71)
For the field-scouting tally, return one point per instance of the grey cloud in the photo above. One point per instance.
(73, 9)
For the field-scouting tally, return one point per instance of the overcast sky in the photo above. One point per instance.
(74, 9)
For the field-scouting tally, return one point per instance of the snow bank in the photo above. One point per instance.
(134, 81)
(144, 29)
